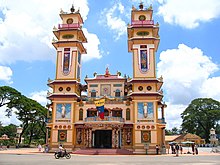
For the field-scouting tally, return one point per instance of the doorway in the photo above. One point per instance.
(103, 139)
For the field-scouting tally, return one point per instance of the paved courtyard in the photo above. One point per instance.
(33, 157)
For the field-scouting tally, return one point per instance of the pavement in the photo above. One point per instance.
(202, 151)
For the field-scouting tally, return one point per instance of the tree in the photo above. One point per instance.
(173, 131)
(29, 112)
(8, 97)
(200, 116)
(32, 115)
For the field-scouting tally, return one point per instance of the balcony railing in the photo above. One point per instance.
(142, 23)
(106, 118)
(68, 26)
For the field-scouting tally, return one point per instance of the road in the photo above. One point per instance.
(48, 159)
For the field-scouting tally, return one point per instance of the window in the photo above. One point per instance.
(117, 113)
(128, 116)
(93, 85)
(78, 72)
(117, 85)
(143, 58)
(81, 114)
(117, 93)
(66, 61)
(79, 57)
(140, 88)
(91, 113)
(93, 93)
(106, 112)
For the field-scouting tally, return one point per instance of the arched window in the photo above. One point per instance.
(81, 114)
(128, 114)
(117, 93)
(93, 93)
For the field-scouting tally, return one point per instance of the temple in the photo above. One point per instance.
(133, 107)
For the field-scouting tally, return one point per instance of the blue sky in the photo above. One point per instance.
(187, 58)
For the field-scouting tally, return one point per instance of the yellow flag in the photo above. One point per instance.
(100, 102)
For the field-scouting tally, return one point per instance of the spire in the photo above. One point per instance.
(141, 6)
(72, 9)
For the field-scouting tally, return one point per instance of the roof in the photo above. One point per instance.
(170, 138)
(106, 76)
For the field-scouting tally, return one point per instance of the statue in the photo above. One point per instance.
(63, 112)
(145, 110)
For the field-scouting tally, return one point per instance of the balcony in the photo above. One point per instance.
(106, 118)
(69, 26)
(142, 23)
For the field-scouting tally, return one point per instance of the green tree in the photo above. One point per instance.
(29, 112)
(200, 116)
(173, 131)
(9, 130)
(8, 97)
(32, 115)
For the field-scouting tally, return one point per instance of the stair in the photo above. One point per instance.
(93, 151)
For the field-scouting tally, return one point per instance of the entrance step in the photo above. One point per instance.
(103, 152)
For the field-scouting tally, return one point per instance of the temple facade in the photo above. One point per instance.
(133, 108)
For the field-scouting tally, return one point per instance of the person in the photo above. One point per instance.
(61, 149)
(172, 148)
(193, 149)
(39, 148)
(196, 149)
(177, 149)
(181, 149)
(157, 149)
(46, 149)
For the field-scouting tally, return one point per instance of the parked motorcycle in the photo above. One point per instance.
(62, 154)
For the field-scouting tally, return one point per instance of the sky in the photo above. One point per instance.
(188, 56)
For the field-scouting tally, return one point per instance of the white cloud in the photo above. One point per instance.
(5, 120)
(40, 97)
(6, 74)
(184, 71)
(26, 29)
(187, 75)
(92, 46)
(172, 114)
(188, 13)
(211, 88)
(113, 22)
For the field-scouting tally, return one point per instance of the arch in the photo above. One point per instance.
(80, 114)
(93, 93)
(128, 114)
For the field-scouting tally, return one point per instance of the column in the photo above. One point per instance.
(113, 138)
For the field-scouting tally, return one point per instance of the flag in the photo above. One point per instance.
(100, 107)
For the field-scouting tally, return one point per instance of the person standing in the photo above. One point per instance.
(157, 149)
(177, 149)
(39, 147)
(181, 149)
(193, 148)
(196, 149)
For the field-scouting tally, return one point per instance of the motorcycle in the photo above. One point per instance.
(62, 154)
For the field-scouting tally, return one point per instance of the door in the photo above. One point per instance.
(103, 139)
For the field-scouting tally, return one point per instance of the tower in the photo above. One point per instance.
(66, 86)
(146, 93)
